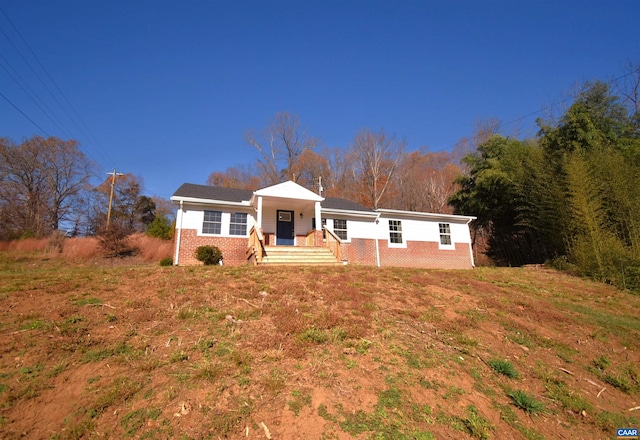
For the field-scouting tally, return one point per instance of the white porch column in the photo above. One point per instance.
(260, 211)
(318, 219)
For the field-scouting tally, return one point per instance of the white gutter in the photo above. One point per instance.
(176, 260)
(415, 214)
(350, 213)
(194, 200)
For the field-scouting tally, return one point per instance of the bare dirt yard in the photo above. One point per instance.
(100, 350)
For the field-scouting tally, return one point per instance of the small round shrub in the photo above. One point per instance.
(209, 255)
(166, 261)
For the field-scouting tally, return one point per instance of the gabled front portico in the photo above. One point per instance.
(285, 213)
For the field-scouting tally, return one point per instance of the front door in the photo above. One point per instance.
(284, 229)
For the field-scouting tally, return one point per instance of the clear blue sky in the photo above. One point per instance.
(166, 89)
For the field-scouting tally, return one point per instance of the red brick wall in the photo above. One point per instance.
(233, 249)
(426, 254)
(416, 254)
(360, 251)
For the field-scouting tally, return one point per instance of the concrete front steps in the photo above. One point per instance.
(299, 255)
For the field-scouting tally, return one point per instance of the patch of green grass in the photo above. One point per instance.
(526, 402)
(453, 422)
(476, 425)
(36, 324)
(624, 378)
(99, 354)
(503, 367)
(511, 418)
(88, 302)
(299, 401)
(209, 371)
(601, 362)
(133, 421)
(314, 335)
(521, 337)
(388, 420)
(453, 392)
(186, 313)
(275, 382)
(73, 326)
(363, 346)
(608, 421)
(559, 391)
(121, 390)
(179, 356)
(619, 381)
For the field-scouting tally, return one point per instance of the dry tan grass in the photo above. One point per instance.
(81, 247)
(149, 248)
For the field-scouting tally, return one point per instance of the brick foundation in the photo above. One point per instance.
(358, 251)
(426, 254)
(233, 249)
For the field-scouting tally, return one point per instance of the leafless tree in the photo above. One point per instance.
(280, 146)
(629, 88)
(376, 156)
(42, 182)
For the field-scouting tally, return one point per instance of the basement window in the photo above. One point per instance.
(238, 225)
(212, 223)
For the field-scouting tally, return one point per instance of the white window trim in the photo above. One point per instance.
(333, 229)
(451, 246)
(225, 225)
(208, 234)
(396, 245)
(246, 225)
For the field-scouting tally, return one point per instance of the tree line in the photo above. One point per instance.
(45, 187)
(375, 170)
(570, 195)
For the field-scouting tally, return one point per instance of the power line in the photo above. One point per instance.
(23, 114)
(44, 69)
(17, 78)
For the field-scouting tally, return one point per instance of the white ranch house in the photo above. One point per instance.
(288, 224)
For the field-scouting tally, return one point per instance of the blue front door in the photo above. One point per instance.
(284, 229)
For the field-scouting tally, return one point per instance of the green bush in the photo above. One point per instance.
(209, 255)
(160, 227)
(166, 261)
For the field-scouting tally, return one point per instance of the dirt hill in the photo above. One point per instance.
(93, 350)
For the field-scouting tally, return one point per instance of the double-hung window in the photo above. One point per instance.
(238, 224)
(340, 228)
(212, 223)
(445, 234)
(395, 232)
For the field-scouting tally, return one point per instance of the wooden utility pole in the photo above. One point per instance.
(113, 184)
